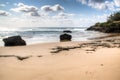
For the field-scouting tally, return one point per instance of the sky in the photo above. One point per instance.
(55, 13)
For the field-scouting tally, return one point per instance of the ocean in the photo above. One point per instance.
(33, 35)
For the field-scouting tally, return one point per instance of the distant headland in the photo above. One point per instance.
(112, 25)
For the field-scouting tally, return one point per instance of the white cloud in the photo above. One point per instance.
(63, 15)
(59, 20)
(25, 8)
(55, 21)
(110, 5)
(30, 10)
(96, 1)
(100, 4)
(56, 17)
(34, 11)
(57, 7)
(7, 2)
(117, 3)
(34, 14)
(84, 21)
(48, 8)
(35, 22)
(4, 13)
(2, 5)
(82, 1)
(103, 5)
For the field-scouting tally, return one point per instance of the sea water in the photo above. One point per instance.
(33, 35)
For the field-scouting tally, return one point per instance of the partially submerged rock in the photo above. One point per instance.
(67, 31)
(14, 41)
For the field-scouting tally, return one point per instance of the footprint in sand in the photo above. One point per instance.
(101, 64)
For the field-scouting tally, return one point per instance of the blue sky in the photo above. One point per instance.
(55, 13)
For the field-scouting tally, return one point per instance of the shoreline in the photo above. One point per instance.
(110, 35)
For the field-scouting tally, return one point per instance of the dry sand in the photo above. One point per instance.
(97, 60)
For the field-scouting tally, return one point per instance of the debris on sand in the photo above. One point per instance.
(18, 57)
(94, 45)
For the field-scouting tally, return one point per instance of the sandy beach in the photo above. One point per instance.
(60, 40)
(90, 60)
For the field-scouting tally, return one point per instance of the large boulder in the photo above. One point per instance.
(65, 37)
(14, 41)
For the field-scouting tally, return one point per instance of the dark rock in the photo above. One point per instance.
(96, 28)
(14, 41)
(67, 31)
(65, 37)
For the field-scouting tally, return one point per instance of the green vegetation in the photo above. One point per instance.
(111, 26)
(114, 17)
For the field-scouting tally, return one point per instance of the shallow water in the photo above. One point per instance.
(34, 35)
